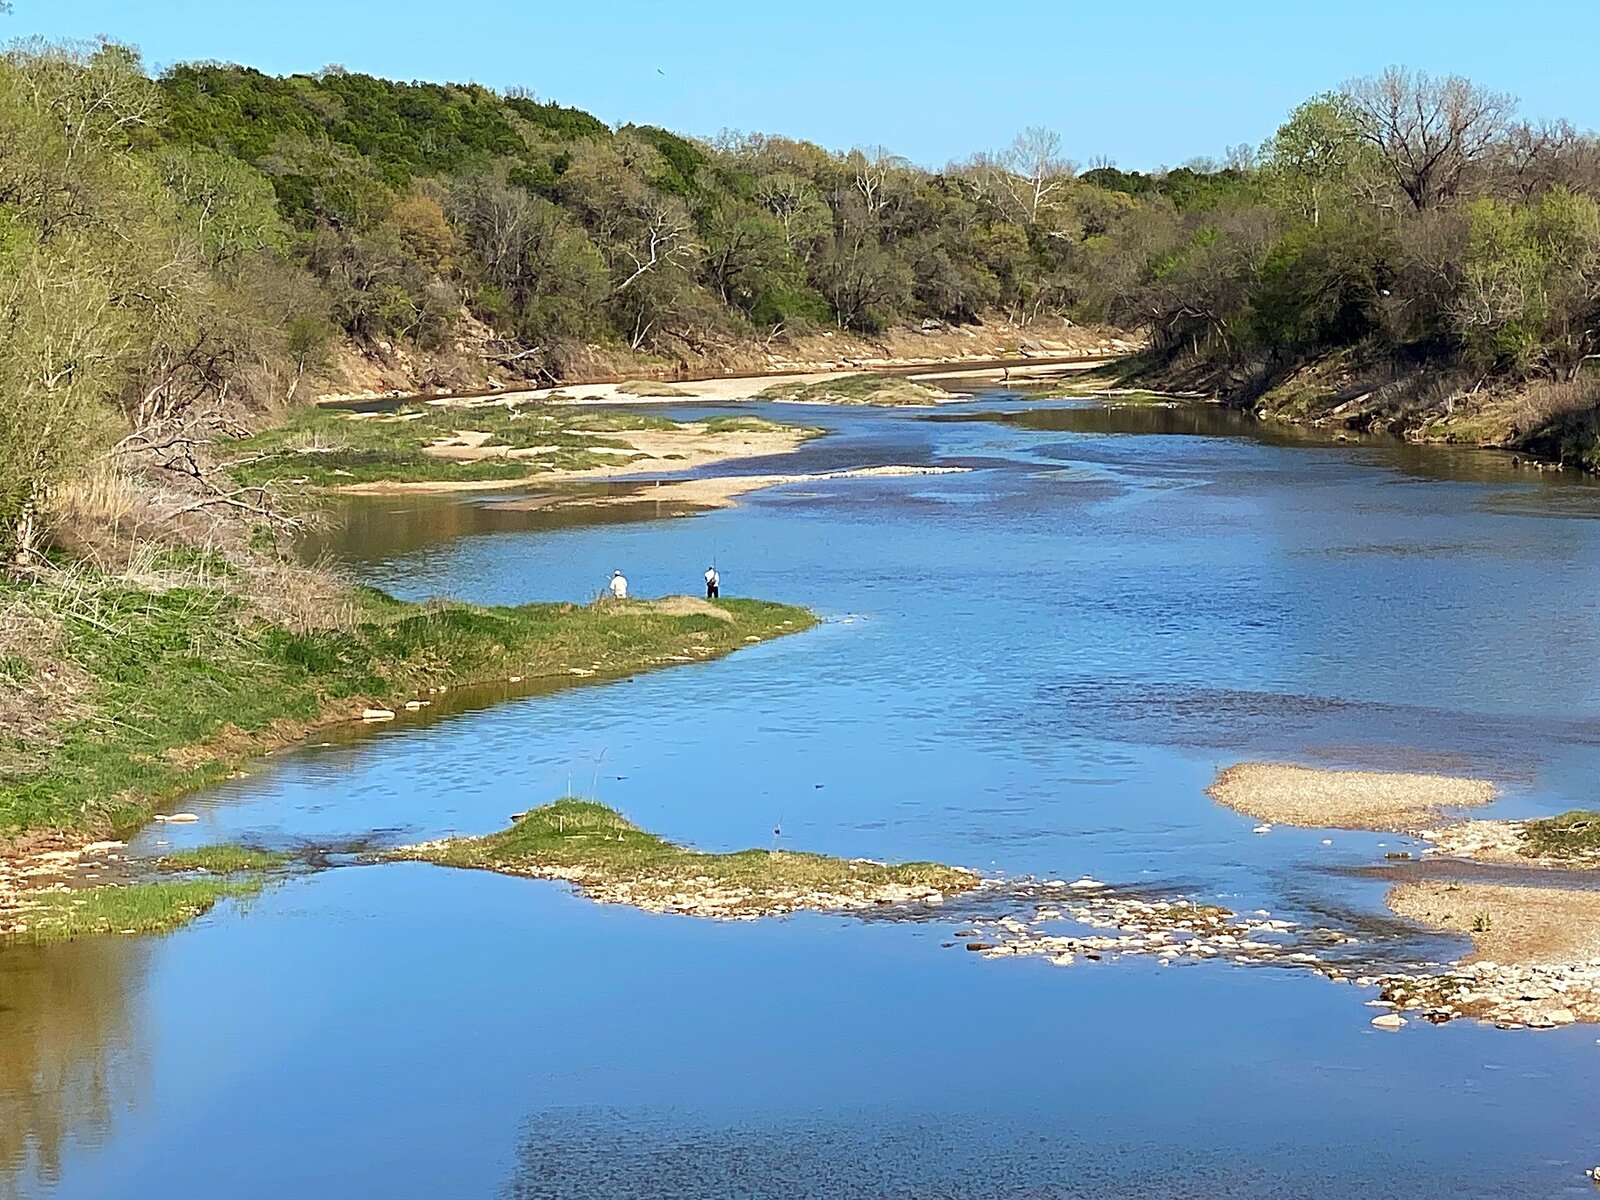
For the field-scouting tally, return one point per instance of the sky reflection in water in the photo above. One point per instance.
(1033, 667)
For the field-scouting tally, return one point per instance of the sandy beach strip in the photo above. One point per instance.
(649, 451)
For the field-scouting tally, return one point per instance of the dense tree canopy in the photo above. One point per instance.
(176, 242)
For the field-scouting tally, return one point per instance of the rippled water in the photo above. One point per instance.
(1034, 667)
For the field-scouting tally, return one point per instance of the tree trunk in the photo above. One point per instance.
(27, 530)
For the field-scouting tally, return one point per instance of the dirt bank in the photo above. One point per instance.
(1327, 799)
(385, 371)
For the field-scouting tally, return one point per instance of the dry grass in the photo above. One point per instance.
(1326, 799)
(40, 688)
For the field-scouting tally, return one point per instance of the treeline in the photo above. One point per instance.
(1408, 233)
(176, 251)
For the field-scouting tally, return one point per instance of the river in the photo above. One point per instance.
(1034, 667)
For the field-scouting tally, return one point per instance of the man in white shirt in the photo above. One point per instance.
(713, 584)
(618, 586)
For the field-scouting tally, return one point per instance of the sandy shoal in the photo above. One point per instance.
(1331, 799)
(1523, 925)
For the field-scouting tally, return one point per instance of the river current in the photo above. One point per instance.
(1034, 667)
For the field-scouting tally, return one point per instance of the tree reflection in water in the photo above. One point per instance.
(70, 1054)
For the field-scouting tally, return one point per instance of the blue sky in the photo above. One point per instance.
(1144, 83)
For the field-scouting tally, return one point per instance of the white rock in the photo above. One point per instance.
(1263, 828)
(1086, 884)
(377, 714)
(1389, 1021)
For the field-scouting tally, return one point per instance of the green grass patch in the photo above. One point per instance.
(225, 859)
(615, 860)
(186, 684)
(331, 447)
(321, 447)
(1574, 834)
(882, 390)
(131, 908)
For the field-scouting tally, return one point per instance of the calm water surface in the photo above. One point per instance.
(1032, 667)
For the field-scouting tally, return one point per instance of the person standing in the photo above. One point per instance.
(618, 586)
(713, 583)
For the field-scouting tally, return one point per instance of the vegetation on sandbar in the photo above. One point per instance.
(226, 859)
(1574, 834)
(123, 908)
(614, 861)
(885, 391)
(330, 448)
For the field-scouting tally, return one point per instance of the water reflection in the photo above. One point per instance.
(72, 1051)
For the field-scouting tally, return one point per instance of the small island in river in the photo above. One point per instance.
(613, 861)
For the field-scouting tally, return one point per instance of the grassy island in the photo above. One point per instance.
(884, 391)
(614, 861)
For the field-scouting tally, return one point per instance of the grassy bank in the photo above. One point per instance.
(129, 691)
(1572, 835)
(125, 908)
(463, 443)
(614, 861)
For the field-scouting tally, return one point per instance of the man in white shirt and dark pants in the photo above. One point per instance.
(713, 584)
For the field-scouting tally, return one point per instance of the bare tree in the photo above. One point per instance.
(1035, 171)
(1430, 132)
(871, 169)
(665, 238)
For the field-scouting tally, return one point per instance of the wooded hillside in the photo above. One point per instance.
(179, 253)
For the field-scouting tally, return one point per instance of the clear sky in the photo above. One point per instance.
(1143, 82)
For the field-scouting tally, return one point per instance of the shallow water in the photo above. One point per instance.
(1034, 667)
